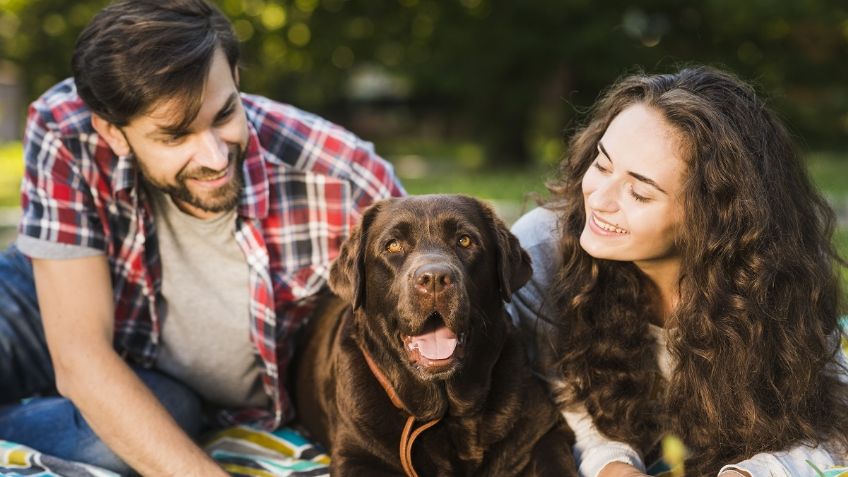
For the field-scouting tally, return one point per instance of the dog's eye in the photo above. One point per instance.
(394, 247)
(464, 241)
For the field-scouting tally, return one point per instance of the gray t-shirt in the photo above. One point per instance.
(206, 332)
(205, 341)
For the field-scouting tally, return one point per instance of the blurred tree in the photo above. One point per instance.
(506, 73)
(39, 35)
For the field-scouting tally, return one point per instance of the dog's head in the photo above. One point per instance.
(429, 275)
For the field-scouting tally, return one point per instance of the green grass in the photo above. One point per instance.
(829, 171)
(840, 239)
(426, 167)
(11, 171)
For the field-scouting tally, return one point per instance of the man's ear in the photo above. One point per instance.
(111, 134)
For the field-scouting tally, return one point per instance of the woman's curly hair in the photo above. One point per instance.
(756, 328)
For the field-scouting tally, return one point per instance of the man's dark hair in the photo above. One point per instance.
(136, 53)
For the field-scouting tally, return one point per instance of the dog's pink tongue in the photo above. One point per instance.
(436, 344)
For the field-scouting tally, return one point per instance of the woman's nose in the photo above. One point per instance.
(604, 197)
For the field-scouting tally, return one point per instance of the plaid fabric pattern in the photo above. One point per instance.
(306, 183)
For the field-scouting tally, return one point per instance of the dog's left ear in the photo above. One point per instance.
(347, 274)
(514, 265)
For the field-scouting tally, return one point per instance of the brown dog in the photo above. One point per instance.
(418, 350)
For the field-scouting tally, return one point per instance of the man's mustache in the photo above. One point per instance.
(205, 173)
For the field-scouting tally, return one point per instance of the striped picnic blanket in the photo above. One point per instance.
(241, 451)
(248, 452)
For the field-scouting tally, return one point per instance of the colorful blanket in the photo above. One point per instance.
(241, 451)
(247, 452)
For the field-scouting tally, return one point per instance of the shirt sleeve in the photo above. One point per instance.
(797, 460)
(57, 202)
(373, 177)
(593, 450)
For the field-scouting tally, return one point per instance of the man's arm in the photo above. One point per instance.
(75, 297)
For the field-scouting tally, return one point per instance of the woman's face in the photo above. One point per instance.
(632, 191)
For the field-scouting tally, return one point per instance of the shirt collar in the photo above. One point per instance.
(123, 173)
(255, 190)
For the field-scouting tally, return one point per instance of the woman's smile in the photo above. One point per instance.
(602, 227)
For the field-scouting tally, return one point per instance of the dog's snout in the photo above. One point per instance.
(433, 278)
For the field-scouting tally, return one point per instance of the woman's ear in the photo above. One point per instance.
(112, 134)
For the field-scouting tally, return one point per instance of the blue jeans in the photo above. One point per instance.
(43, 420)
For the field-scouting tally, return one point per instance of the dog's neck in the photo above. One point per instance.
(383, 380)
(463, 394)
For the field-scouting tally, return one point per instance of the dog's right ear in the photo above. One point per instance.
(347, 274)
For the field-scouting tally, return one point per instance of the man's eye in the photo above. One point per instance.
(173, 139)
(224, 116)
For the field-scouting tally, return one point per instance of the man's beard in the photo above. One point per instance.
(222, 199)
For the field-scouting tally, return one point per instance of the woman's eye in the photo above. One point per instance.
(394, 247)
(464, 241)
(638, 197)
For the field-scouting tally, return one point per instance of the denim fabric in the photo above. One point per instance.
(45, 421)
(25, 368)
(54, 426)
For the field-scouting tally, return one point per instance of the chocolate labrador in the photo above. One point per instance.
(415, 368)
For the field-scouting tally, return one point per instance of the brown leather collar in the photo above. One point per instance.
(383, 380)
(408, 436)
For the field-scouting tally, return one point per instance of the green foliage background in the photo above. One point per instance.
(475, 96)
(508, 75)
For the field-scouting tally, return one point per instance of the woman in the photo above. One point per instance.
(686, 285)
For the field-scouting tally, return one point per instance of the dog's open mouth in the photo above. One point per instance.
(436, 348)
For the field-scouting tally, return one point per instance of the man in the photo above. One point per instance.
(178, 233)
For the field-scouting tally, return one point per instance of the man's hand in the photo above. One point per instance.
(75, 298)
(620, 469)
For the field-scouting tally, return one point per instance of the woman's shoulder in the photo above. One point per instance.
(539, 226)
(538, 233)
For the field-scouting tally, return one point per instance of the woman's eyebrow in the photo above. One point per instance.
(635, 175)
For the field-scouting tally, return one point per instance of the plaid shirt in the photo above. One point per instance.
(306, 183)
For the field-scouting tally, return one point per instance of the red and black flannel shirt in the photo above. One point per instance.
(306, 183)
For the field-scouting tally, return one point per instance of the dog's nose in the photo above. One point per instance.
(433, 278)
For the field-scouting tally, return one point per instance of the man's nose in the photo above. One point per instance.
(213, 151)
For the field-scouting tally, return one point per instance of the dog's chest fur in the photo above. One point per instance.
(480, 432)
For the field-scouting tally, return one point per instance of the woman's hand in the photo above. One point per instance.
(620, 469)
(734, 473)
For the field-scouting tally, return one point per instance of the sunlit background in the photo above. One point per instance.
(476, 96)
